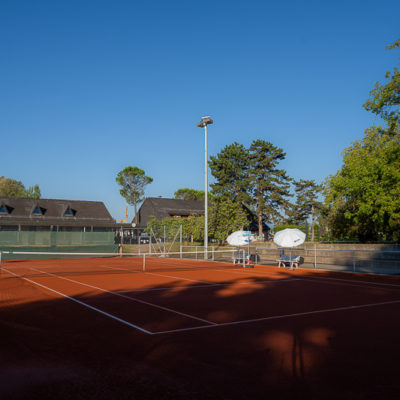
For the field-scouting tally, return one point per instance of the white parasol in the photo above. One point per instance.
(240, 238)
(289, 237)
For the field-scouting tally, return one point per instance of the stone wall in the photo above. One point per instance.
(366, 258)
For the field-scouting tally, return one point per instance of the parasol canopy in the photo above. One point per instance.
(240, 238)
(289, 237)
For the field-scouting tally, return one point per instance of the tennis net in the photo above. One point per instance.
(69, 263)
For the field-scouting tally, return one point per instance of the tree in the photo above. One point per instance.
(12, 188)
(189, 194)
(268, 184)
(230, 170)
(133, 181)
(307, 201)
(385, 99)
(364, 196)
(226, 216)
(33, 192)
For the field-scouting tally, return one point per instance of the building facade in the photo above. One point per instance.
(21, 214)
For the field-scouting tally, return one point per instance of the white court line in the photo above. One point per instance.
(127, 297)
(207, 283)
(279, 317)
(204, 286)
(81, 303)
(351, 281)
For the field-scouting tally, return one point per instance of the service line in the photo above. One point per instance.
(127, 297)
(81, 303)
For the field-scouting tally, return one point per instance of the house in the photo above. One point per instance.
(56, 225)
(160, 208)
(24, 214)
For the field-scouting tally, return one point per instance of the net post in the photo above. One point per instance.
(354, 260)
(0, 260)
(144, 262)
(244, 260)
(212, 252)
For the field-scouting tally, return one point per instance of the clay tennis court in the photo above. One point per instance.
(100, 328)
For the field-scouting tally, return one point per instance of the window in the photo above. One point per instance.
(69, 212)
(4, 209)
(39, 211)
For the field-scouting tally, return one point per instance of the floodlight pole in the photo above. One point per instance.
(203, 124)
(205, 195)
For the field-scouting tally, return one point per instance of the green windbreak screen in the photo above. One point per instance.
(57, 241)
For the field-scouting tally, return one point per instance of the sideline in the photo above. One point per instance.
(81, 303)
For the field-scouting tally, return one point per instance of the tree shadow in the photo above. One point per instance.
(52, 347)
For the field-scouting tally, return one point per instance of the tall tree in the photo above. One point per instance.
(189, 194)
(363, 197)
(12, 188)
(33, 192)
(269, 185)
(226, 216)
(307, 202)
(230, 170)
(133, 181)
(385, 98)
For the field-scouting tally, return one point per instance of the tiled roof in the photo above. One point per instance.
(52, 211)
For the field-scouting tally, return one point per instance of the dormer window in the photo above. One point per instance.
(4, 209)
(69, 212)
(39, 211)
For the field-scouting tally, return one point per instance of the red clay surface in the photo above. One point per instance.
(98, 329)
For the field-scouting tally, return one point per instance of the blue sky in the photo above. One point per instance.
(90, 87)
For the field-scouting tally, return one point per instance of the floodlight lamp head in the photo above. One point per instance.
(205, 121)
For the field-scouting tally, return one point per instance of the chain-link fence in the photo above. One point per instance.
(351, 260)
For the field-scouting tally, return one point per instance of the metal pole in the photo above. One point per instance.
(206, 197)
(180, 240)
(315, 256)
(164, 239)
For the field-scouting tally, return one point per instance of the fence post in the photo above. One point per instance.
(212, 252)
(354, 260)
(165, 238)
(315, 257)
(144, 262)
(180, 241)
(196, 252)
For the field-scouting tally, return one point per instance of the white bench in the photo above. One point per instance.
(284, 259)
